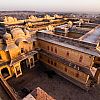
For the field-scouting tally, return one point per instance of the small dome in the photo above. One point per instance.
(17, 33)
(18, 41)
(7, 36)
(10, 19)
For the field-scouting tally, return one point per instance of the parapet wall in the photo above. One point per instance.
(67, 40)
(75, 44)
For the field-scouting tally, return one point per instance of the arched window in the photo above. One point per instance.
(22, 50)
(67, 54)
(51, 62)
(55, 50)
(33, 44)
(65, 69)
(77, 75)
(51, 48)
(55, 64)
(81, 58)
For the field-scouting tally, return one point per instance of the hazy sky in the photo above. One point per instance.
(51, 5)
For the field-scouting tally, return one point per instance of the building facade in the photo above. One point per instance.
(17, 53)
(77, 60)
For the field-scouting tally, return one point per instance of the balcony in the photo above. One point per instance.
(22, 57)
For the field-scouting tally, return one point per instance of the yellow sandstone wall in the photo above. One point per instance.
(75, 74)
(4, 56)
(27, 46)
(69, 54)
(9, 70)
(14, 52)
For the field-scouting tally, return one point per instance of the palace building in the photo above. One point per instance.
(72, 52)
(17, 53)
(76, 59)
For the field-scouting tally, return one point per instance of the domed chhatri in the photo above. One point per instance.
(17, 33)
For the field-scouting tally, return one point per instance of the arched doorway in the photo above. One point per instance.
(24, 65)
(31, 61)
(5, 72)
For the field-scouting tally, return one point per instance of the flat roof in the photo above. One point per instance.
(92, 36)
(62, 26)
(71, 43)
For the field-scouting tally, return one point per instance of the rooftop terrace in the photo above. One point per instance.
(92, 36)
(75, 44)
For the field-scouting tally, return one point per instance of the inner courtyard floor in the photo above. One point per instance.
(55, 85)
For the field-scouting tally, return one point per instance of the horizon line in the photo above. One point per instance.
(56, 11)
